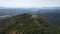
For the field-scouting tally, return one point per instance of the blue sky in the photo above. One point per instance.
(29, 3)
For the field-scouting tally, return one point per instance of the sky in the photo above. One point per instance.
(29, 3)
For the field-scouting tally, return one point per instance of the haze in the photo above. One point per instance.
(29, 3)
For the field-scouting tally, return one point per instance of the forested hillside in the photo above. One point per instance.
(27, 24)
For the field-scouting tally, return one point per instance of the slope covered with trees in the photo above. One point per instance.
(27, 24)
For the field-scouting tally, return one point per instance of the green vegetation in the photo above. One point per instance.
(26, 24)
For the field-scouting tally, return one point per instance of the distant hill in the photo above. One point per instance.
(11, 11)
(27, 24)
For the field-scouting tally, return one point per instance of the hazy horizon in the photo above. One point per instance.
(29, 3)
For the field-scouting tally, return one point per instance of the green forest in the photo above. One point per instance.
(27, 24)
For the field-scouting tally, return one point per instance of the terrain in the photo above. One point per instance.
(30, 20)
(53, 17)
(27, 24)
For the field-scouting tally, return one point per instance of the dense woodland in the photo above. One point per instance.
(27, 24)
(54, 18)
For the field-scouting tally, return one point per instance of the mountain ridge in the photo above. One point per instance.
(26, 24)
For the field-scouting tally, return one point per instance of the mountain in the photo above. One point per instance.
(53, 17)
(27, 24)
(12, 11)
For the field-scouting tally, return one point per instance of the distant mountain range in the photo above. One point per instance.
(12, 11)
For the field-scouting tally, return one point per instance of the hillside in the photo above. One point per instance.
(54, 18)
(27, 24)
